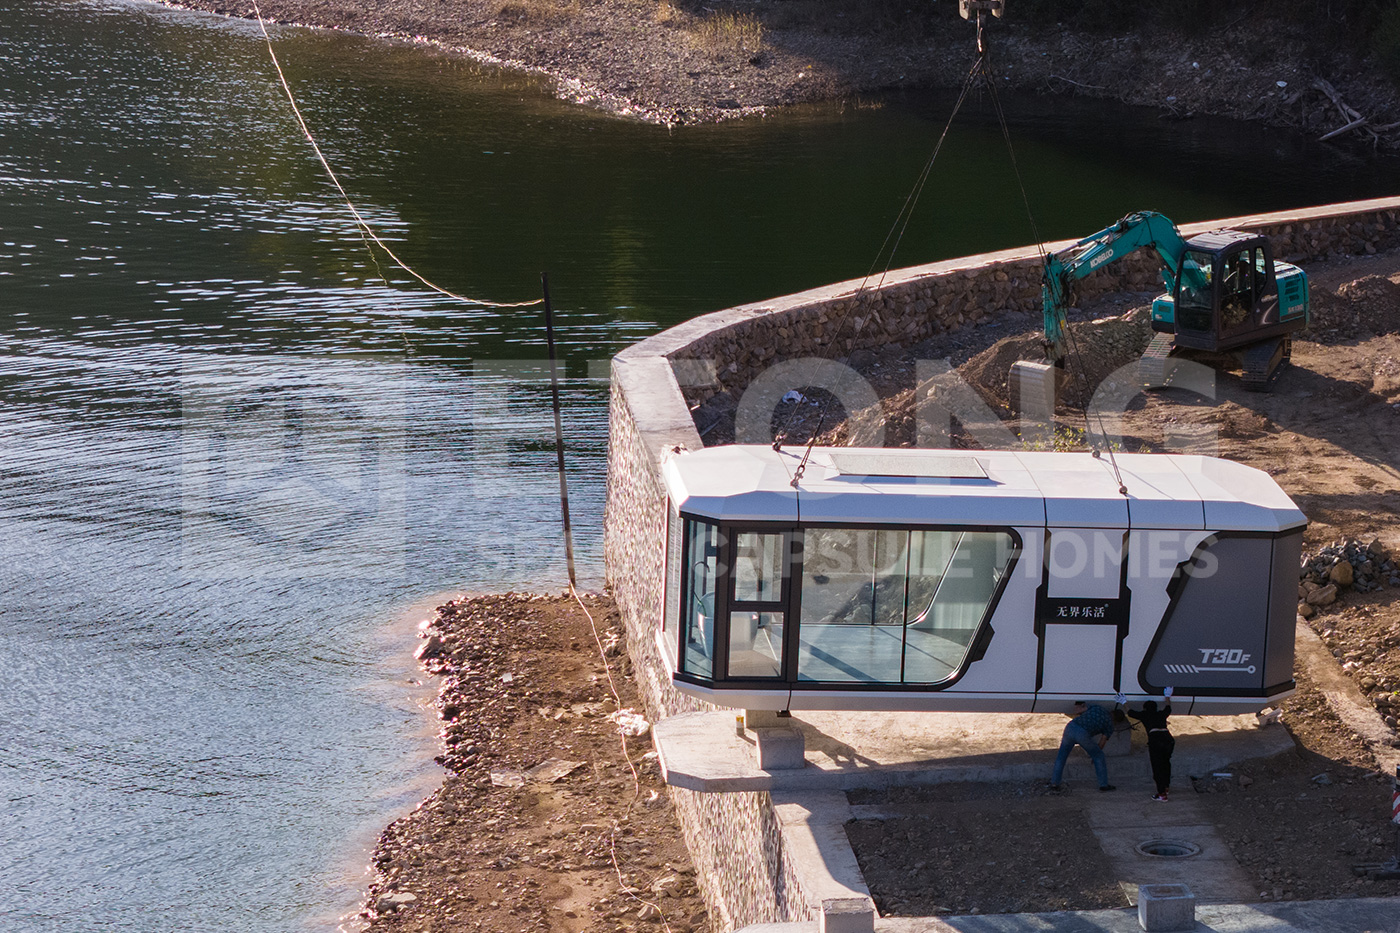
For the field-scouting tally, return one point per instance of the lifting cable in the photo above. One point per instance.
(366, 231)
(891, 241)
(1040, 249)
(982, 69)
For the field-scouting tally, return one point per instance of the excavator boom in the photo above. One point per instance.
(1136, 230)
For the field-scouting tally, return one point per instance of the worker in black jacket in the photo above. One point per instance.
(1159, 743)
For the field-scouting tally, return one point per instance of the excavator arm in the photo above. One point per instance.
(1136, 230)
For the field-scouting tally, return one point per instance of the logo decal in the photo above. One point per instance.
(1216, 661)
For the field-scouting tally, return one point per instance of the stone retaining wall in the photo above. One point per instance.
(730, 348)
(735, 838)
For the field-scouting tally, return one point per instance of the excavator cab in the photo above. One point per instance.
(1231, 297)
(1226, 294)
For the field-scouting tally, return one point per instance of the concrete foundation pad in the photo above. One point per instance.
(1124, 823)
(847, 915)
(845, 751)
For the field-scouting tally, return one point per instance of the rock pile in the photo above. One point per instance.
(1345, 564)
(1362, 634)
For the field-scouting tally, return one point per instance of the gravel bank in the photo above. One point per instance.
(675, 61)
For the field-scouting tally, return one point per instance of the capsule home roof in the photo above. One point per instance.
(751, 483)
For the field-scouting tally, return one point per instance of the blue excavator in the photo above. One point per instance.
(1226, 296)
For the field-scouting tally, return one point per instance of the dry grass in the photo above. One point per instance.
(723, 32)
(667, 15)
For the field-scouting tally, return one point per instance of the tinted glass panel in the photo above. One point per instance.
(701, 576)
(940, 633)
(759, 564)
(852, 605)
(892, 606)
(1195, 303)
(1237, 292)
(755, 644)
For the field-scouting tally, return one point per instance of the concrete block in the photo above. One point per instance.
(763, 719)
(780, 749)
(847, 915)
(1165, 908)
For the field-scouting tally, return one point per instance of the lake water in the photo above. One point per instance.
(239, 461)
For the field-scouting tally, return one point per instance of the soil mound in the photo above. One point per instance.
(1365, 307)
(1096, 350)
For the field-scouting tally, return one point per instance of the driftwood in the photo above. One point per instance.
(1337, 132)
(1355, 121)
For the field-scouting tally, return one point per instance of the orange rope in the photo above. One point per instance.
(360, 220)
(636, 778)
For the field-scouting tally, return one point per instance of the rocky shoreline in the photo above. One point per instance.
(552, 815)
(680, 63)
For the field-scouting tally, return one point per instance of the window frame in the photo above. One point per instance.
(790, 604)
(791, 558)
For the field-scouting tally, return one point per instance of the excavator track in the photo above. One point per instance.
(1156, 365)
(1261, 360)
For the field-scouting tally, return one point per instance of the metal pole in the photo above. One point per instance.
(558, 428)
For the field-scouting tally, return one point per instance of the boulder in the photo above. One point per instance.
(1341, 573)
(667, 886)
(1324, 595)
(432, 648)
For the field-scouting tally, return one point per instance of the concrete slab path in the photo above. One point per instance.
(1351, 915)
(846, 751)
(1124, 822)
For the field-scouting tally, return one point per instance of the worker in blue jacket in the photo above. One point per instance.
(1090, 729)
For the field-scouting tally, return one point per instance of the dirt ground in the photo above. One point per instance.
(545, 820)
(688, 61)
(1329, 433)
(1010, 848)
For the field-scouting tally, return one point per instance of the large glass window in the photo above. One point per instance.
(894, 605)
(878, 605)
(1195, 301)
(940, 629)
(702, 577)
